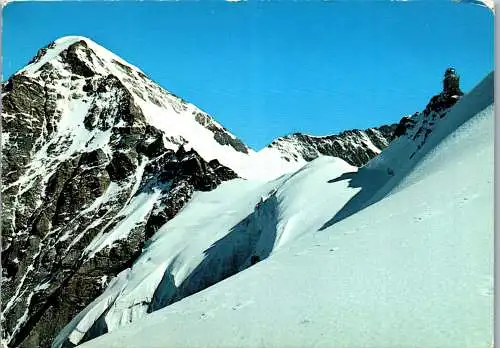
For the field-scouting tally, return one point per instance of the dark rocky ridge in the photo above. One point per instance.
(356, 147)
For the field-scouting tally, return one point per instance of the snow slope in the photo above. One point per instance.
(409, 265)
(195, 250)
(389, 172)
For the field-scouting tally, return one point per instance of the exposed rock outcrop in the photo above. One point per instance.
(438, 105)
(356, 147)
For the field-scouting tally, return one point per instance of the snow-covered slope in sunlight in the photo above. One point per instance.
(414, 268)
(388, 172)
(216, 235)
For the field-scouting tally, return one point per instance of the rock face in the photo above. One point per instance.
(87, 179)
(356, 147)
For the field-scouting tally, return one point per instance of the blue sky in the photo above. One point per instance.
(266, 69)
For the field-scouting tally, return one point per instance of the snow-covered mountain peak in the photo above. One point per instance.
(83, 76)
(80, 46)
(88, 140)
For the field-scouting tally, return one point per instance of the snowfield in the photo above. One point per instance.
(215, 236)
(396, 254)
